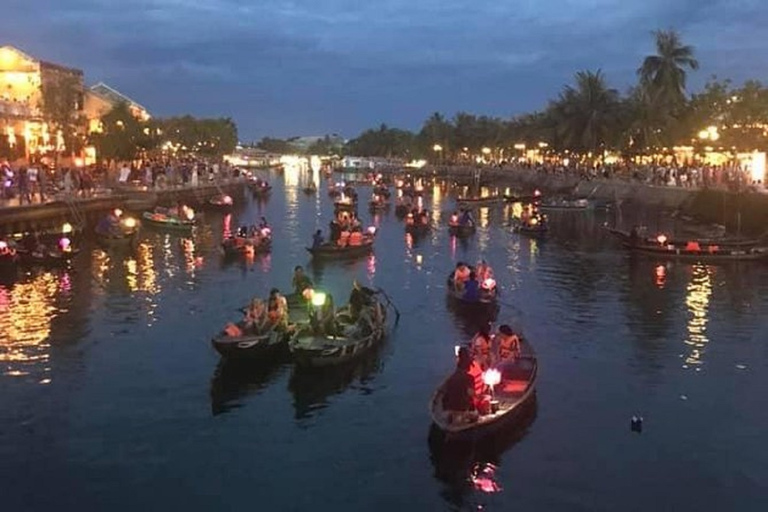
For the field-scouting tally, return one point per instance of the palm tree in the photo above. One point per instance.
(586, 115)
(662, 76)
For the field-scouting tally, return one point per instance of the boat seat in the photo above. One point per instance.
(513, 386)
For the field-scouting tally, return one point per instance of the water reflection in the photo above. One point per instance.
(697, 300)
(470, 470)
(26, 311)
(312, 388)
(233, 381)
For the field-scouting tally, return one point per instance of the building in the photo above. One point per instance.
(22, 122)
(101, 98)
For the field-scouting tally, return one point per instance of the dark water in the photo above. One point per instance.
(112, 398)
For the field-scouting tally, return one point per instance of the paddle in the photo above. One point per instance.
(390, 303)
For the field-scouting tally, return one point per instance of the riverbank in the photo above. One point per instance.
(83, 211)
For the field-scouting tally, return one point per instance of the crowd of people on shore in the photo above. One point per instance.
(39, 182)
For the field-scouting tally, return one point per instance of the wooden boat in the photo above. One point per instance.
(261, 189)
(126, 235)
(693, 250)
(378, 206)
(418, 229)
(487, 302)
(575, 204)
(54, 257)
(222, 203)
(478, 201)
(239, 246)
(731, 243)
(9, 257)
(309, 190)
(334, 251)
(533, 231)
(250, 346)
(461, 230)
(170, 222)
(517, 387)
(353, 340)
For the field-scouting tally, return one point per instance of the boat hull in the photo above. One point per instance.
(461, 230)
(336, 252)
(178, 225)
(250, 347)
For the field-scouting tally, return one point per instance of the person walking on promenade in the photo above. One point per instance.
(23, 186)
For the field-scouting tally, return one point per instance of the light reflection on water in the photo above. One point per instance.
(697, 299)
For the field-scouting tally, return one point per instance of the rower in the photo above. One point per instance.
(459, 389)
(471, 289)
(317, 239)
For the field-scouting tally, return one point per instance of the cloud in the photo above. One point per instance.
(315, 66)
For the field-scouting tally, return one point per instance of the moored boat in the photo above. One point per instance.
(221, 202)
(692, 250)
(512, 384)
(486, 301)
(260, 188)
(116, 230)
(537, 230)
(479, 201)
(575, 204)
(245, 245)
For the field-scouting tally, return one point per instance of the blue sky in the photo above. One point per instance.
(307, 67)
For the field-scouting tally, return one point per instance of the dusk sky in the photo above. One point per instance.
(310, 67)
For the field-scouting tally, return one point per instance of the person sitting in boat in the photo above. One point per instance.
(317, 239)
(483, 271)
(471, 291)
(359, 298)
(482, 344)
(335, 231)
(277, 309)
(460, 275)
(466, 218)
(409, 220)
(255, 316)
(300, 280)
(459, 389)
(454, 221)
(508, 347)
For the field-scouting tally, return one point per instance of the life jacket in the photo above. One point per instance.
(233, 331)
(477, 374)
(693, 246)
(356, 238)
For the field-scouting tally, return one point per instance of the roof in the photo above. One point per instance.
(59, 67)
(112, 95)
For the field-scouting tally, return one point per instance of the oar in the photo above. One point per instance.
(390, 303)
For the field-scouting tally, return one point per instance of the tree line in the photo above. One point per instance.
(590, 117)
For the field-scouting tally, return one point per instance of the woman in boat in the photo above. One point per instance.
(508, 347)
(481, 348)
(255, 316)
(277, 309)
(300, 280)
(459, 390)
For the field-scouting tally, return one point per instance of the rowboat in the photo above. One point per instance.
(125, 233)
(488, 297)
(249, 346)
(310, 191)
(238, 245)
(260, 189)
(461, 230)
(352, 340)
(576, 204)
(52, 257)
(334, 251)
(533, 231)
(516, 386)
(222, 203)
(161, 220)
(694, 250)
(9, 258)
(478, 201)
(731, 243)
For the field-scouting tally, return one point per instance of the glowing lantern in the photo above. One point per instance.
(3, 245)
(418, 259)
(491, 377)
(534, 221)
(65, 244)
(537, 193)
(662, 239)
(189, 213)
(130, 222)
(66, 228)
(226, 200)
(489, 284)
(266, 232)
(372, 230)
(456, 349)
(307, 293)
(118, 212)
(454, 219)
(318, 299)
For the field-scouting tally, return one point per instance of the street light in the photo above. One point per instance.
(437, 148)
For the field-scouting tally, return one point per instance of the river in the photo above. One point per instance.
(112, 397)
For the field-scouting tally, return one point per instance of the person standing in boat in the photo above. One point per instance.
(459, 390)
(466, 218)
(317, 239)
(300, 280)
